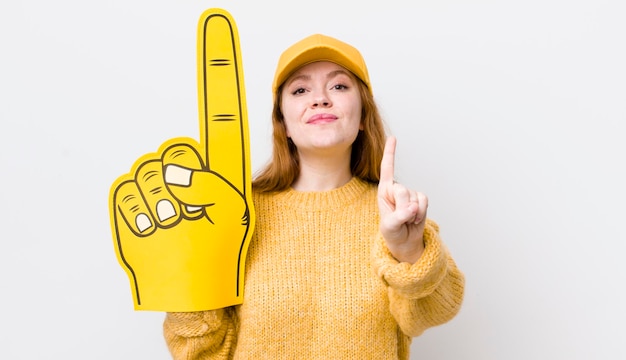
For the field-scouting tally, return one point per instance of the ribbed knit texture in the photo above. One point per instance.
(321, 284)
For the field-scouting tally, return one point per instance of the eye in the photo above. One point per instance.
(340, 87)
(298, 91)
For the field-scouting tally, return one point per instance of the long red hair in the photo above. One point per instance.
(367, 150)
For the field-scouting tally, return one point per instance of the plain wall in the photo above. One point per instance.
(509, 116)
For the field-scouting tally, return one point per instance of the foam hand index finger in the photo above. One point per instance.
(223, 114)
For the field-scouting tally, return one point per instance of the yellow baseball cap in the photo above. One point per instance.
(319, 47)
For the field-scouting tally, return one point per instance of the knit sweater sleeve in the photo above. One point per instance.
(200, 335)
(425, 294)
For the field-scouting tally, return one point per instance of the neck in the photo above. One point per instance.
(322, 174)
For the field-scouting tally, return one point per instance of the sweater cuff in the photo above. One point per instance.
(418, 280)
(192, 324)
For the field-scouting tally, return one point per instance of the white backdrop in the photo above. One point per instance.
(509, 115)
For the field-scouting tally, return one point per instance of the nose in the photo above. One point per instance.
(321, 100)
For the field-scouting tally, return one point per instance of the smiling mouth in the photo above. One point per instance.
(321, 119)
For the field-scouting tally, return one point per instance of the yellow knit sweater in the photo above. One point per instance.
(321, 284)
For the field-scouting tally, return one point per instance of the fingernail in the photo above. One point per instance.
(177, 175)
(165, 210)
(193, 209)
(143, 222)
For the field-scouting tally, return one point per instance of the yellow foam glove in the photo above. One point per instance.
(183, 217)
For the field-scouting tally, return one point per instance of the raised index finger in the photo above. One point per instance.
(387, 163)
(221, 98)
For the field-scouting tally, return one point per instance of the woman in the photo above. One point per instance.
(344, 263)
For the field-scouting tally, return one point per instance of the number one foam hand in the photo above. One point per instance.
(182, 218)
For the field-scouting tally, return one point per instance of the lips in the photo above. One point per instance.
(321, 119)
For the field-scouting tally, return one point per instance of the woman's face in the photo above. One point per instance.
(321, 105)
